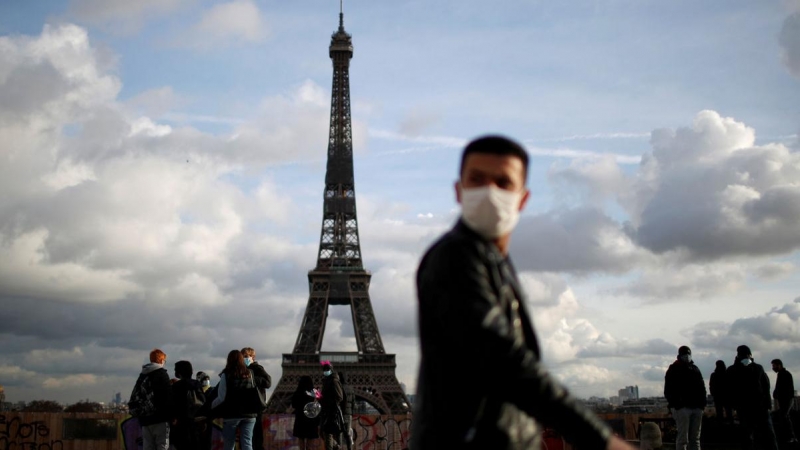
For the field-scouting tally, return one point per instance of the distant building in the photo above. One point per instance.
(629, 393)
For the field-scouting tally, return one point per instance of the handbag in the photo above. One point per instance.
(254, 401)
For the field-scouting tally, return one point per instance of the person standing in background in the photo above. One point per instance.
(685, 392)
(784, 399)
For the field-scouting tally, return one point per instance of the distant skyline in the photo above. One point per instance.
(162, 168)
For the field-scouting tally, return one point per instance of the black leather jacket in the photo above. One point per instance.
(481, 384)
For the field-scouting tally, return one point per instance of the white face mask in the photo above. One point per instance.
(490, 211)
(746, 361)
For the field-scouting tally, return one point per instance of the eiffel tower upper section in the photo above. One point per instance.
(339, 247)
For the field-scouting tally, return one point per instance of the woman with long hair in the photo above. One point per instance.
(237, 401)
(305, 428)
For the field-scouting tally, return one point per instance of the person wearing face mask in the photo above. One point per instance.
(204, 380)
(259, 371)
(472, 317)
(750, 397)
(685, 392)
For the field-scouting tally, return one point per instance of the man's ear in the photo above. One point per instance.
(457, 187)
(525, 198)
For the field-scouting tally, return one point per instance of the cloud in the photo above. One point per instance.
(707, 190)
(227, 24)
(120, 16)
(774, 270)
(156, 102)
(120, 233)
(674, 283)
(578, 240)
(594, 180)
(789, 40)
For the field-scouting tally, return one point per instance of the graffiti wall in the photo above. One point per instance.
(65, 431)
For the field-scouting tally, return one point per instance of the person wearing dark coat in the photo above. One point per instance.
(784, 399)
(685, 392)
(481, 380)
(719, 391)
(259, 371)
(188, 397)
(749, 391)
(332, 396)
(305, 428)
(348, 403)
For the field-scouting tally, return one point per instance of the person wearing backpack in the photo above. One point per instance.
(151, 402)
(238, 401)
(188, 397)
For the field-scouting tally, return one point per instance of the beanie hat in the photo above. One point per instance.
(743, 351)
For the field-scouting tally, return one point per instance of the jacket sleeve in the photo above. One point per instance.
(460, 294)
(221, 390)
(669, 387)
(262, 380)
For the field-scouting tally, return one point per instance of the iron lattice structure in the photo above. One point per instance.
(339, 277)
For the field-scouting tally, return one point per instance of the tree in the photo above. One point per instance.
(48, 406)
(84, 406)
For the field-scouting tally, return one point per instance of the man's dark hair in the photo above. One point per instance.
(684, 350)
(496, 145)
(743, 351)
(183, 369)
(778, 362)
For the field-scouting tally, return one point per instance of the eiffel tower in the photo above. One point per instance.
(339, 277)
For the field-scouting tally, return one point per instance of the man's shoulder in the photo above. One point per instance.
(455, 245)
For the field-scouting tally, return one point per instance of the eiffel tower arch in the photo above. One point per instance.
(339, 277)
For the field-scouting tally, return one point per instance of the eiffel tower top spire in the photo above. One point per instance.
(341, 15)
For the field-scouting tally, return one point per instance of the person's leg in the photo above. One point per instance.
(787, 420)
(148, 442)
(681, 417)
(765, 433)
(695, 423)
(229, 433)
(161, 436)
(246, 433)
(746, 426)
(258, 433)
(348, 424)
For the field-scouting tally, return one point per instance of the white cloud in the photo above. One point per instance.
(709, 191)
(70, 381)
(120, 16)
(674, 283)
(226, 24)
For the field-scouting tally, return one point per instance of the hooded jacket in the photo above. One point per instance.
(684, 386)
(481, 383)
(748, 387)
(162, 394)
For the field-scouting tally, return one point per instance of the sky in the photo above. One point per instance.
(162, 170)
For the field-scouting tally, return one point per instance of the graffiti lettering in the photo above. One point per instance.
(382, 432)
(16, 428)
